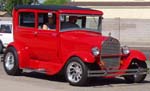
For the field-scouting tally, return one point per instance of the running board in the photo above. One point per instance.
(35, 70)
(102, 73)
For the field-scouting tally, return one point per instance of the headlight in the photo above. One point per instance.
(95, 51)
(125, 50)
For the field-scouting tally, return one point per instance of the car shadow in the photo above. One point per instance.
(56, 78)
(92, 82)
(111, 82)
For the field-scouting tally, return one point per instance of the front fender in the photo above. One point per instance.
(84, 56)
(22, 53)
(137, 55)
(134, 54)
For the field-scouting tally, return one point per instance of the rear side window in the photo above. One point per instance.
(27, 19)
(5, 28)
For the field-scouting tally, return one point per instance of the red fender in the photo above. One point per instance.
(84, 56)
(23, 54)
(134, 54)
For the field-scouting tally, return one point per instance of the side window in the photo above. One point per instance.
(5, 28)
(70, 22)
(46, 21)
(27, 19)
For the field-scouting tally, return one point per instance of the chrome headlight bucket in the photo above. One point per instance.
(95, 51)
(125, 50)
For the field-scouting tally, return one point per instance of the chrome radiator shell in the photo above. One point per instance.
(110, 53)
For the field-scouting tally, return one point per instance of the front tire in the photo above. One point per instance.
(76, 72)
(137, 78)
(10, 63)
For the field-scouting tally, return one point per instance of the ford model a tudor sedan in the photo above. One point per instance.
(68, 40)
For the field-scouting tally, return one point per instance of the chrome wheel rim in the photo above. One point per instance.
(136, 66)
(9, 61)
(74, 72)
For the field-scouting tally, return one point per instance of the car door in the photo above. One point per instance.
(46, 39)
(6, 33)
(26, 30)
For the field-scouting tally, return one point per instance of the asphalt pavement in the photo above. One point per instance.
(41, 82)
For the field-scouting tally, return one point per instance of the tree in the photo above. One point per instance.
(2, 2)
(10, 4)
(56, 2)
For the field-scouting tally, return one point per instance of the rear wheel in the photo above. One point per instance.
(137, 78)
(10, 62)
(76, 72)
(1, 48)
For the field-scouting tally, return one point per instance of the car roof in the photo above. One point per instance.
(50, 7)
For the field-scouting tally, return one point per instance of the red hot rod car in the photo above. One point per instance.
(68, 39)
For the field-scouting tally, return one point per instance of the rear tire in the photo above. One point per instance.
(10, 62)
(76, 72)
(138, 78)
(1, 48)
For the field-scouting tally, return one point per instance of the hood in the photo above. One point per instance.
(84, 37)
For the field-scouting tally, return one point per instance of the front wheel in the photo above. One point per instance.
(76, 72)
(10, 62)
(137, 78)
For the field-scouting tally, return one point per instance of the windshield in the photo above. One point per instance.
(81, 22)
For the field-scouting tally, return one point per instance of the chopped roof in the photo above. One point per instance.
(50, 7)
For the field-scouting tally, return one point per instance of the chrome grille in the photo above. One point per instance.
(110, 53)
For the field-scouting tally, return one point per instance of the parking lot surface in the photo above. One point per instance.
(41, 82)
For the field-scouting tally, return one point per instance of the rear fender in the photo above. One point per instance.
(134, 54)
(22, 53)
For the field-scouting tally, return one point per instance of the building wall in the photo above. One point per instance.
(126, 20)
(131, 32)
(109, 0)
(137, 9)
(128, 12)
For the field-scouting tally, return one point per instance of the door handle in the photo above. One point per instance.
(54, 34)
(35, 33)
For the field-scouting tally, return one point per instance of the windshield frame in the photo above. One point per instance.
(99, 23)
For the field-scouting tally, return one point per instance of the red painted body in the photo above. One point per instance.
(52, 49)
